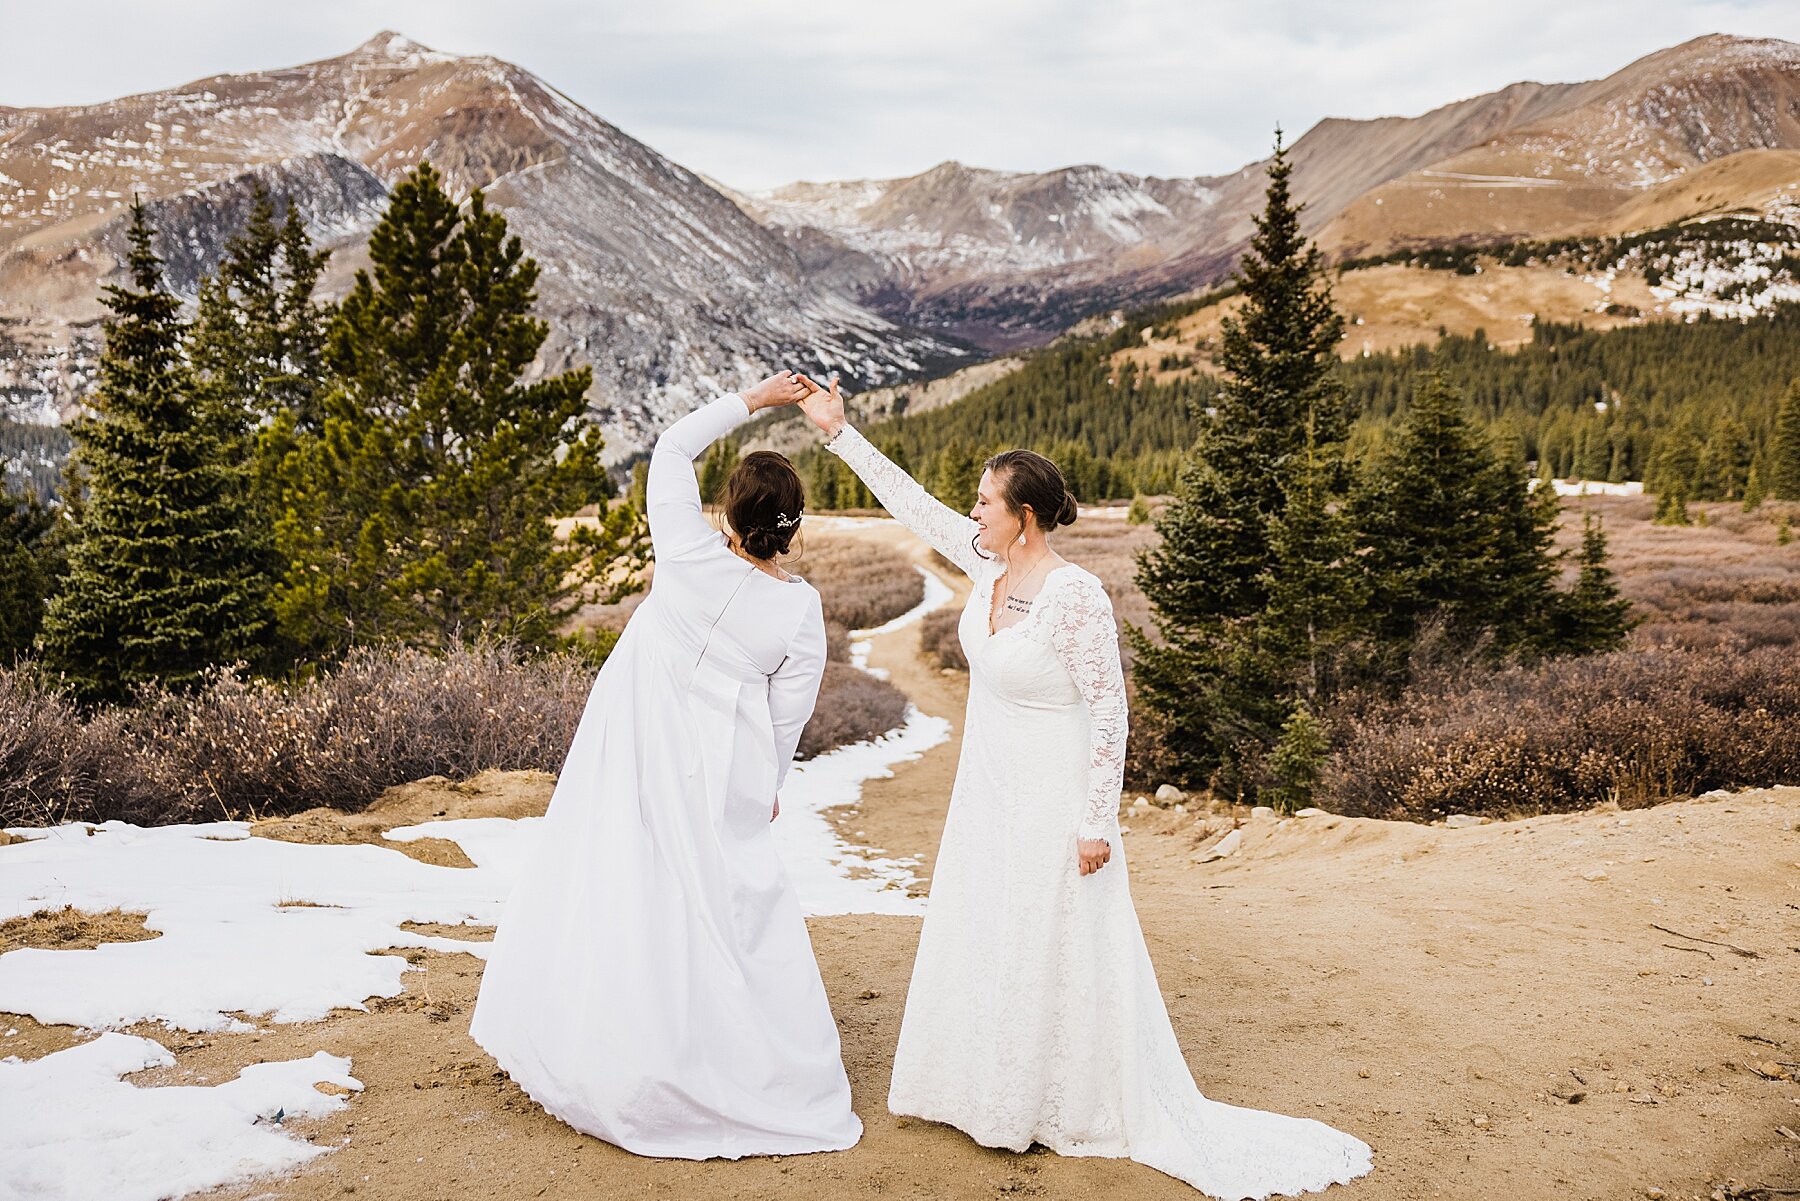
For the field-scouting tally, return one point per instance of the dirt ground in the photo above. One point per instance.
(1591, 1005)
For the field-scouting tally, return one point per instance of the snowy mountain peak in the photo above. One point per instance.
(397, 49)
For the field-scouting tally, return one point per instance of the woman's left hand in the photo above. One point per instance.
(1093, 854)
(782, 388)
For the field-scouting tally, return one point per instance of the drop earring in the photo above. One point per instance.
(1021, 537)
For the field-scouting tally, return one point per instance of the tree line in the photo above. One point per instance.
(1707, 409)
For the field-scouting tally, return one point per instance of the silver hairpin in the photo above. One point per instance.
(783, 521)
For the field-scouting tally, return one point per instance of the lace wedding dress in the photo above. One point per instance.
(651, 981)
(1033, 1013)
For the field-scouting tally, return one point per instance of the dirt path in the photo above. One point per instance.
(905, 813)
(1492, 1008)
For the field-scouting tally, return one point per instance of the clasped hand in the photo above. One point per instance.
(824, 404)
(1093, 854)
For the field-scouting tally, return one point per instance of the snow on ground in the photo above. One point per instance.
(818, 861)
(69, 1127)
(1595, 487)
(232, 939)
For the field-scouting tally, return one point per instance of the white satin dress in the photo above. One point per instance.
(1033, 1015)
(651, 981)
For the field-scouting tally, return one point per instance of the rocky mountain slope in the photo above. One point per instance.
(651, 275)
(1530, 160)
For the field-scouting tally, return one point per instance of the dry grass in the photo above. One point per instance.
(861, 585)
(70, 929)
(1726, 583)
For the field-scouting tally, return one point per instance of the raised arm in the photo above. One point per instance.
(951, 533)
(948, 532)
(794, 687)
(671, 492)
(1087, 642)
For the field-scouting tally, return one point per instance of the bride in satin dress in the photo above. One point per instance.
(651, 981)
(1033, 1015)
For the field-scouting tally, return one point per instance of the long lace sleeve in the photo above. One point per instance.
(671, 492)
(1087, 642)
(948, 532)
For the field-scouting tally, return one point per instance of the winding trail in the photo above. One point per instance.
(904, 813)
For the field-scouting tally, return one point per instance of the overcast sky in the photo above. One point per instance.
(759, 92)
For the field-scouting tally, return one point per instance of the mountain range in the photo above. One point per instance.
(674, 286)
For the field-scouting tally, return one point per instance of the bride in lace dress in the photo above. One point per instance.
(1034, 1015)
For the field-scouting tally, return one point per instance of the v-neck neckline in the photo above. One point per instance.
(994, 586)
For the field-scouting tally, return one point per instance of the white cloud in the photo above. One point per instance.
(758, 92)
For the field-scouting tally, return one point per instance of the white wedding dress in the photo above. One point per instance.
(651, 981)
(1033, 1013)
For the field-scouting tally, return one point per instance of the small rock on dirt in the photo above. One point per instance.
(1461, 821)
(1168, 794)
(1221, 848)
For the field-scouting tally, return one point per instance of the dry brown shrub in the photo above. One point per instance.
(860, 584)
(853, 706)
(938, 639)
(238, 748)
(1636, 727)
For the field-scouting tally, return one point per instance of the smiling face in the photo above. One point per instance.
(1000, 526)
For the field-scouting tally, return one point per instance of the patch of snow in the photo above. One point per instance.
(70, 1127)
(228, 944)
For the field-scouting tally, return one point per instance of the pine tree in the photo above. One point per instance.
(1317, 592)
(957, 475)
(721, 460)
(822, 482)
(162, 583)
(1422, 510)
(33, 558)
(1784, 453)
(1675, 466)
(1726, 459)
(1754, 491)
(1296, 759)
(256, 351)
(1525, 561)
(638, 493)
(1219, 699)
(1592, 617)
(421, 510)
(1671, 507)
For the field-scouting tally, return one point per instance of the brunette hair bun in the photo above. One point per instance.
(762, 500)
(1027, 479)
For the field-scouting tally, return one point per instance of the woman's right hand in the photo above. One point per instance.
(826, 408)
(782, 388)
